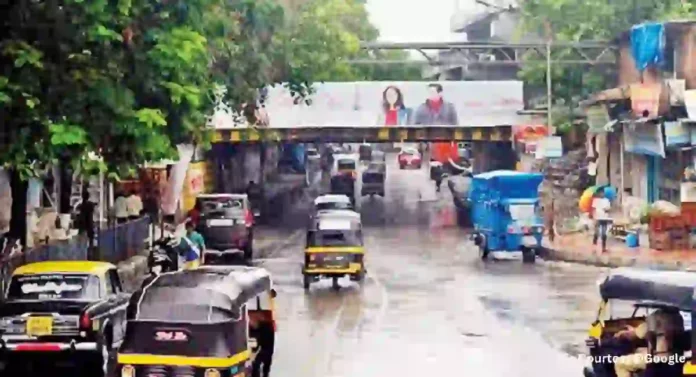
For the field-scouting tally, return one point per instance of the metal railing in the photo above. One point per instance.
(114, 244)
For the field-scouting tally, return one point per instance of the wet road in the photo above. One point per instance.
(429, 304)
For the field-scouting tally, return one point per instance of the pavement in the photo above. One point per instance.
(578, 248)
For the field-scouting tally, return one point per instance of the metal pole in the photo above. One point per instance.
(549, 99)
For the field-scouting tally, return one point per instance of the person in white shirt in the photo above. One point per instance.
(134, 205)
(592, 170)
(600, 215)
(121, 209)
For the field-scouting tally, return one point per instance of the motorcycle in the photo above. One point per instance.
(165, 254)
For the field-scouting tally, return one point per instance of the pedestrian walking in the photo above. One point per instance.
(121, 208)
(195, 246)
(134, 205)
(600, 215)
(85, 219)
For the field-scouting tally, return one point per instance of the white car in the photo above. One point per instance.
(332, 202)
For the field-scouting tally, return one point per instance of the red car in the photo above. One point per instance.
(409, 157)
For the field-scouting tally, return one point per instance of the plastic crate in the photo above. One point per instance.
(660, 240)
(681, 244)
(663, 223)
(688, 210)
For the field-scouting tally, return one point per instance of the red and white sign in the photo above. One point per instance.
(645, 99)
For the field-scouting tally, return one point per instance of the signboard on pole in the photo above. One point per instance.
(644, 138)
(677, 133)
(550, 147)
(690, 103)
(597, 118)
(645, 99)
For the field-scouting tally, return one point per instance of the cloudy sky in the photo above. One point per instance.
(415, 20)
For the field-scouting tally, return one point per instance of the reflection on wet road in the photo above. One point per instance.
(429, 304)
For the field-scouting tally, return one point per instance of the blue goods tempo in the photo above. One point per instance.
(505, 212)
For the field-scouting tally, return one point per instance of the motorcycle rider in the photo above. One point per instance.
(158, 265)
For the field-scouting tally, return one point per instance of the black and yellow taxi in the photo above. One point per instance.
(201, 323)
(68, 309)
(334, 248)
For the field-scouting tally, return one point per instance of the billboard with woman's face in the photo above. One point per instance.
(379, 104)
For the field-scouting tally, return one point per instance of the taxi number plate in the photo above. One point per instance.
(40, 326)
(221, 222)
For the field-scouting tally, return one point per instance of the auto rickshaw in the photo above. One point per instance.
(196, 323)
(372, 182)
(505, 212)
(365, 152)
(334, 248)
(343, 184)
(628, 296)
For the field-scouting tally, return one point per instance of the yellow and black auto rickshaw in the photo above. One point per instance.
(334, 248)
(197, 323)
(629, 297)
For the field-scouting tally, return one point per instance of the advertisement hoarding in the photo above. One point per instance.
(379, 104)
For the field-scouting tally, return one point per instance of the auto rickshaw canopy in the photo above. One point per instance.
(206, 294)
(659, 288)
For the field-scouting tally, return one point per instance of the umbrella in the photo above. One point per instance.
(585, 202)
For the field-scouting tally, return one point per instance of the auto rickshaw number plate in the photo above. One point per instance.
(529, 240)
(40, 326)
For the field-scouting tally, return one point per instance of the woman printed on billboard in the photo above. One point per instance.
(394, 112)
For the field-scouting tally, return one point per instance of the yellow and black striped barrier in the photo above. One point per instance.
(360, 134)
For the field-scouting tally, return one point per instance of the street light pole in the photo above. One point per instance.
(549, 94)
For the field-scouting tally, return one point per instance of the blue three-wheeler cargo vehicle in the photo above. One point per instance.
(505, 212)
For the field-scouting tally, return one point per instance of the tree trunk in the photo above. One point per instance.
(18, 221)
(66, 180)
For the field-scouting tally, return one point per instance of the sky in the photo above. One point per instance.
(415, 20)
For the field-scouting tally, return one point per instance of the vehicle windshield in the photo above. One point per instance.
(373, 178)
(321, 238)
(346, 165)
(215, 205)
(54, 287)
(333, 205)
(312, 152)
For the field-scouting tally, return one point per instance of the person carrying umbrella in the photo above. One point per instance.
(600, 215)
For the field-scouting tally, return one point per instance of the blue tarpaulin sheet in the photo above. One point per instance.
(648, 45)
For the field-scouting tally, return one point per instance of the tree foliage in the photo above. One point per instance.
(128, 79)
(593, 20)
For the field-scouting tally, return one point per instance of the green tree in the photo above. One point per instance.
(594, 20)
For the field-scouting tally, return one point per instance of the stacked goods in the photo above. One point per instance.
(668, 229)
(565, 179)
(688, 212)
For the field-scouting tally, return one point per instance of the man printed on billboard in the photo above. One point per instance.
(435, 110)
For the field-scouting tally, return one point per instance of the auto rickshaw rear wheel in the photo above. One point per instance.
(528, 255)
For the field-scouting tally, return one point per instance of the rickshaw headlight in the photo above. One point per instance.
(127, 371)
(212, 373)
